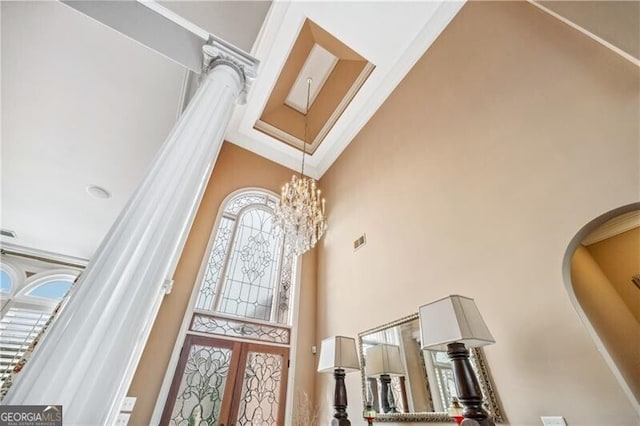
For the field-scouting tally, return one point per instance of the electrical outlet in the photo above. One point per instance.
(128, 403)
(122, 419)
(553, 421)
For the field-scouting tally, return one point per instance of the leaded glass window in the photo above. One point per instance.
(249, 268)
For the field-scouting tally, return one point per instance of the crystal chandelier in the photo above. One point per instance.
(300, 212)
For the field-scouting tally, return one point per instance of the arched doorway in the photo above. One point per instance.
(599, 268)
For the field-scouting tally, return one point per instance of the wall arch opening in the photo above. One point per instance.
(598, 268)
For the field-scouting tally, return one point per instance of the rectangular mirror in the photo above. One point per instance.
(406, 384)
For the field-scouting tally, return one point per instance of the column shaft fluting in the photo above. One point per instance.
(89, 355)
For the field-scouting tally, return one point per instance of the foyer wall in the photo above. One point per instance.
(235, 168)
(511, 133)
(619, 258)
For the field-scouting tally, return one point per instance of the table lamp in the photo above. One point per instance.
(450, 324)
(383, 361)
(338, 355)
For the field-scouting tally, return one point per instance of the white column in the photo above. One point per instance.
(88, 357)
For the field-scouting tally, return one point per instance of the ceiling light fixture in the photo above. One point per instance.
(300, 212)
(98, 192)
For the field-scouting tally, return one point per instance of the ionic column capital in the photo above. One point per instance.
(218, 52)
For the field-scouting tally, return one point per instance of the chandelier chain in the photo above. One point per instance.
(300, 212)
(306, 126)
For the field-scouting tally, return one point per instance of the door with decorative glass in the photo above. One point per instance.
(232, 368)
(227, 383)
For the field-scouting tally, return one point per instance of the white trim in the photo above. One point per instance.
(614, 227)
(44, 256)
(293, 342)
(44, 277)
(16, 274)
(175, 18)
(566, 274)
(588, 33)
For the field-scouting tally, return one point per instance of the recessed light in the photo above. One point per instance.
(98, 192)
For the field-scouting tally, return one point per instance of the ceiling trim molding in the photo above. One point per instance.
(275, 43)
(43, 255)
(588, 33)
(296, 142)
(613, 227)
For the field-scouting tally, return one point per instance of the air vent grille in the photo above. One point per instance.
(360, 241)
(7, 233)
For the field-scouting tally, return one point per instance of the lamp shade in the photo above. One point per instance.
(338, 352)
(452, 319)
(383, 359)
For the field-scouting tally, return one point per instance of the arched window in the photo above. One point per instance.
(250, 268)
(231, 362)
(27, 300)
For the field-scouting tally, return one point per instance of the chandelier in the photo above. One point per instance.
(300, 212)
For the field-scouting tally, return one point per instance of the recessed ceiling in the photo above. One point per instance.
(311, 78)
(337, 73)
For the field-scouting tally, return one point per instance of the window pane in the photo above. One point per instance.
(5, 282)
(52, 290)
(234, 205)
(216, 262)
(253, 267)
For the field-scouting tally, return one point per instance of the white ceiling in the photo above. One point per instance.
(83, 104)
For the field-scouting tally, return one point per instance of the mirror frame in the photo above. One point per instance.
(436, 416)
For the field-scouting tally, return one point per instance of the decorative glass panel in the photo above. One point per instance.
(199, 397)
(252, 267)
(216, 262)
(5, 282)
(260, 397)
(236, 204)
(53, 290)
(286, 282)
(228, 327)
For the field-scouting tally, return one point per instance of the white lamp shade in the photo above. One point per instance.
(383, 359)
(452, 319)
(338, 352)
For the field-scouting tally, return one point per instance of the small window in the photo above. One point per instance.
(54, 290)
(5, 282)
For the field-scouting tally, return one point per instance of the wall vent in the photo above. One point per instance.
(7, 233)
(362, 240)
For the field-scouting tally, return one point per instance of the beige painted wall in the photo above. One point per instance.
(619, 259)
(235, 168)
(609, 315)
(510, 134)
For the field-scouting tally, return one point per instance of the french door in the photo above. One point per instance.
(227, 383)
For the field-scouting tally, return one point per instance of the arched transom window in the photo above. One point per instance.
(249, 269)
(27, 300)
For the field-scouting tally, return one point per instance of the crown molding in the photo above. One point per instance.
(613, 227)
